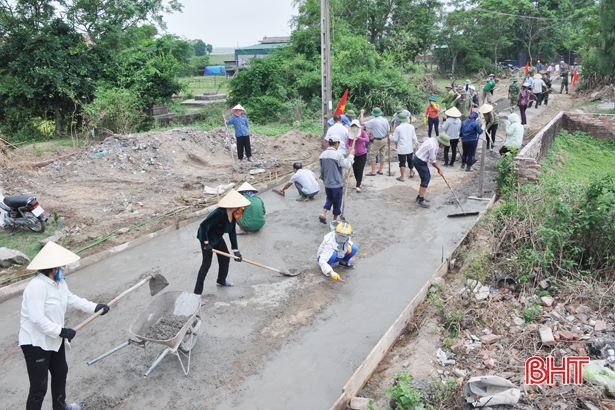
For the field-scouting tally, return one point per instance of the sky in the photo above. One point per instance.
(236, 23)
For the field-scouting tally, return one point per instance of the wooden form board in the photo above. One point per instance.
(363, 373)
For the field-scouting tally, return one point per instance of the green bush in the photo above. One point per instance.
(114, 110)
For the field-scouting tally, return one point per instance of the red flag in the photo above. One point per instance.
(575, 77)
(341, 106)
(527, 67)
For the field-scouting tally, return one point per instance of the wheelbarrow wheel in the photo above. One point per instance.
(191, 336)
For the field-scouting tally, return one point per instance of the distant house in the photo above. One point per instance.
(266, 46)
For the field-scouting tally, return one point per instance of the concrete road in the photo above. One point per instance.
(271, 341)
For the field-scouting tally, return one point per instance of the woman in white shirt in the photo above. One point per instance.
(42, 330)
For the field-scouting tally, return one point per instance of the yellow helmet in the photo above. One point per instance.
(343, 228)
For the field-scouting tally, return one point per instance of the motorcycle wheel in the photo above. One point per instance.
(39, 223)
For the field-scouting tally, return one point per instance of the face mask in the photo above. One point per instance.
(59, 275)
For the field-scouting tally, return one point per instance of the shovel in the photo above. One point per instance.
(280, 271)
(157, 282)
(458, 203)
(230, 144)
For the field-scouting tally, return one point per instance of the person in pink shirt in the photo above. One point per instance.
(432, 118)
(358, 139)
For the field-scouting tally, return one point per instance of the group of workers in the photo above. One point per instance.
(350, 145)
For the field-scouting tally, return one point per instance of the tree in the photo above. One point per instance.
(200, 48)
(46, 71)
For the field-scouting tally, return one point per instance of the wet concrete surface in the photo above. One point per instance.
(271, 341)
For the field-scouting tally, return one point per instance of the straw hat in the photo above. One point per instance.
(52, 256)
(537, 76)
(485, 108)
(444, 140)
(453, 112)
(246, 187)
(233, 200)
(526, 85)
(238, 107)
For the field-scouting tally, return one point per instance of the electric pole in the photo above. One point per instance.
(325, 50)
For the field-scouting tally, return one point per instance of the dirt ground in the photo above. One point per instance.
(127, 180)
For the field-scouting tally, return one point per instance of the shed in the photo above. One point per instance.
(267, 46)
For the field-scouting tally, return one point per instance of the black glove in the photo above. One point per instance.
(208, 247)
(68, 334)
(103, 306)
(238, 255)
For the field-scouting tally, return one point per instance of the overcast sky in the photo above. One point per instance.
(229, 23)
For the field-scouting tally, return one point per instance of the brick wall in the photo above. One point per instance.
(527, 160)
(599, 125)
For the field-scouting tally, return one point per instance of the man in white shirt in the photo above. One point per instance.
(405, 137)
(305, 181)
(339, 130)
(427, 155)
(539, 87)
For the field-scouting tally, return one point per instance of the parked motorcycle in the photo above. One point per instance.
(22, 210)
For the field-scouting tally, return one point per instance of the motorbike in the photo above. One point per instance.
(22, 210)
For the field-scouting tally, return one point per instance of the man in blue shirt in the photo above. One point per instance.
(346, 118)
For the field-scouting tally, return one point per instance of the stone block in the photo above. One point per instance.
(600, 326)
(546, 336)
(490, 339)
(568, 336)
(10, 257)
(547, 301)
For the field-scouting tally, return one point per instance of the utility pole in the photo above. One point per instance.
(325, 50)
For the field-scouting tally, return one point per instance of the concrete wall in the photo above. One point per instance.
(527, 161)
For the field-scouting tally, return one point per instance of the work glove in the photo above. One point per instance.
(208, 247)
(336, 276)
(102, 306)
(67, 334)
(238, 255)
(424, 120)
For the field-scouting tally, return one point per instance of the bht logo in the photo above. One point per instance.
(539, 370)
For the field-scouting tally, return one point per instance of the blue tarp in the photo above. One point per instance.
(215, 70)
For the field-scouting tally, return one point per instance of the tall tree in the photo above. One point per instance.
(200, 48)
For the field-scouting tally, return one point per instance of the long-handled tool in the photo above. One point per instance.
(280, 271)
(389, 154)
(157, 282)
(229, 139)
(458, 203)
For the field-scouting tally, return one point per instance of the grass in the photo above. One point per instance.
(580, 157)
(25, 240)
(199, 85)
(218, 59)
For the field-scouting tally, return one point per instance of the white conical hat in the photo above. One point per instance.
(238, 107)
(453, 112)
(52, 256)
(246, 187)
(233, 200)
(485, 108)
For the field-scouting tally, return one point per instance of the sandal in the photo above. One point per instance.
(412, 176)
(371, 174)
(202, 300)
(322, 219)
(226, 283)
(347, 266)
(400, 179)
(380, 173)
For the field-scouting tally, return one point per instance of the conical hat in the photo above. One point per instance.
(453, 112)
(537, 76)
(246, 187)
(52, 256)
(485, 108)
(238, 107)
(233, 200)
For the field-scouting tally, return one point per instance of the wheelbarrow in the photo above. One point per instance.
(169, 306)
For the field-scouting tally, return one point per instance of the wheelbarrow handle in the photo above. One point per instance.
(113, 302)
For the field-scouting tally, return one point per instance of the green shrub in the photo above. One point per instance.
(114, 110)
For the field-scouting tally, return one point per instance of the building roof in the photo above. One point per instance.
(261, 47)
(273, 40)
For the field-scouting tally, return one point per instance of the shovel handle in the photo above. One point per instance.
(113, 302)
(246, 261)
(449, 187)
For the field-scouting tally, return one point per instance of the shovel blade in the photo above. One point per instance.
(157, 283)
